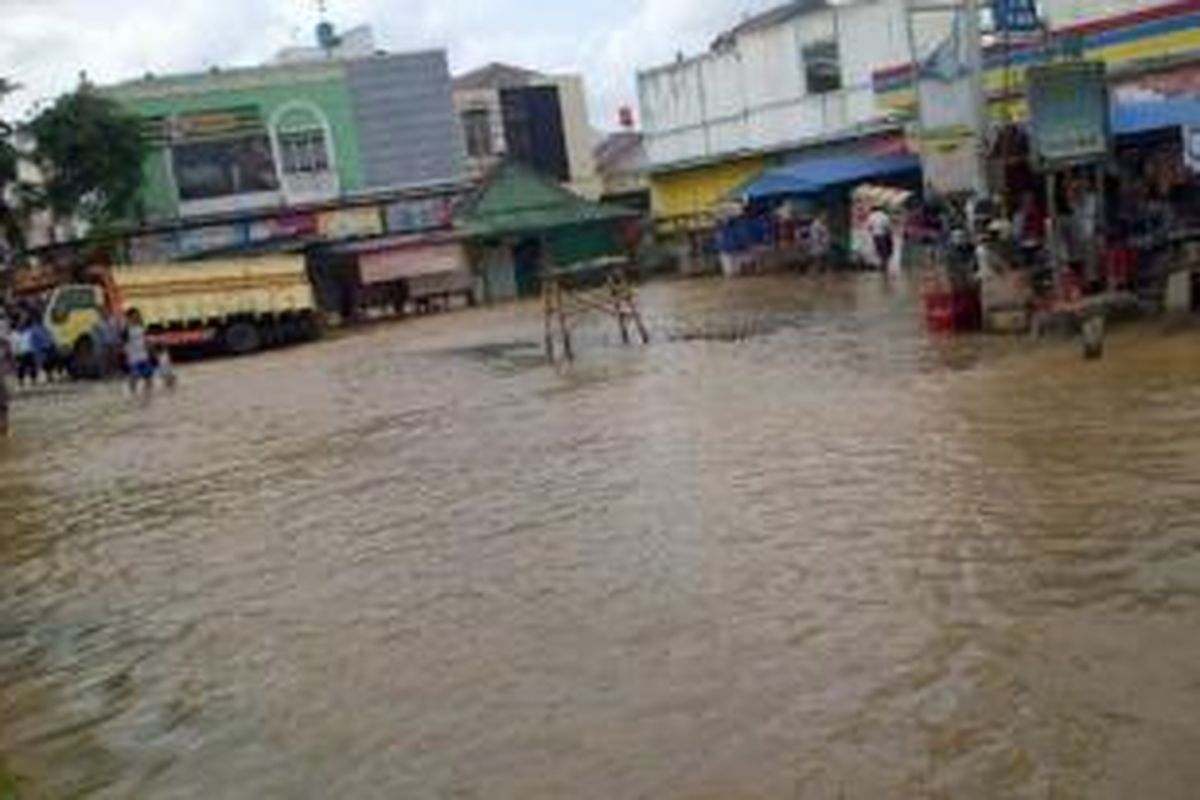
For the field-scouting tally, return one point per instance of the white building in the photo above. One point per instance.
(796, 75)
(539, 119)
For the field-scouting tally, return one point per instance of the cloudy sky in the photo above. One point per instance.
(46, 44)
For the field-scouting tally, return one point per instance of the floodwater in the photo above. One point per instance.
(796, 548)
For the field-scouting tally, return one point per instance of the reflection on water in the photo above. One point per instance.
(795, 548)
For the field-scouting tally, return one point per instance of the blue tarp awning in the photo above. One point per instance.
(1141, 116)
(813, 176)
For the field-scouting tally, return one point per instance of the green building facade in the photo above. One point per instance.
(230, 141)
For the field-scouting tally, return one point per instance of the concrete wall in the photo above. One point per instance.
(486, 99)
(752, 96)
(577, 130)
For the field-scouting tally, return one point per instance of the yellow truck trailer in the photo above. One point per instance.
(237, 306)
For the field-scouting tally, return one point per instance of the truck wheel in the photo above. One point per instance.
(242, 338)
(85, 360)
(309, 328)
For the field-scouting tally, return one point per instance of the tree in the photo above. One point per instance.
(91, 152)
(12, 231)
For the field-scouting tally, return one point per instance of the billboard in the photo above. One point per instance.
(1069, 115)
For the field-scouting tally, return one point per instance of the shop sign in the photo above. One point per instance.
(1069, 116)
(950, 161)
(350, 223)
(405, 263)
(284, 227)
(407, 216)
(202, 240)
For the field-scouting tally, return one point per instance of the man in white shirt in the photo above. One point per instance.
(879, 228)
(820, 242)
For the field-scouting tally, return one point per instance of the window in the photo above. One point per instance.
(224, 166)
(477, 126)
(822, 67)
(303, 152)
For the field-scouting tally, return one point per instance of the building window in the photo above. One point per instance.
(477, 126)
(224, 167)
(822, 67)
(303, 152)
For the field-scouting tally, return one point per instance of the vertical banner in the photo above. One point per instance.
(949, 135)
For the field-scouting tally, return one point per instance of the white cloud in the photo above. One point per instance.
(47, 43)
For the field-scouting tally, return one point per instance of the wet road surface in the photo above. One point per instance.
(796, 548)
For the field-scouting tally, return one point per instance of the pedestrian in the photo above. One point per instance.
(820, 242)
(107, 336)
(6, 363)
(164, 367)
(879, 227)
(137, 353)
(23, 352)
(45, 351)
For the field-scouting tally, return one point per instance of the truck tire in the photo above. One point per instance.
(84, 363)
(309, 327)
(242, 338)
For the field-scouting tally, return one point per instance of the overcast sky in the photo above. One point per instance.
(45, 44)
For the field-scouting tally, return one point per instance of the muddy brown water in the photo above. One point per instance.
(795, 549)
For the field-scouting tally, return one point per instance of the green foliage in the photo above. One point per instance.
(11, 231)
(91, 151)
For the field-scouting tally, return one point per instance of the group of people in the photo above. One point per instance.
(30, 345)
(29, 351)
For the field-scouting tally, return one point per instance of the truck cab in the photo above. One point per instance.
(71, 316)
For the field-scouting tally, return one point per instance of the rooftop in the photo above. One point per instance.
(769, 19)
(496, 76)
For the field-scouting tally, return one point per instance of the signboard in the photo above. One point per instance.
(950, 161)
(350, 223)
(1069, 119)
(409, 262)
(406, 216)
(1015, 16)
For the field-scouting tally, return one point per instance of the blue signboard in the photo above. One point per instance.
(1015, 16)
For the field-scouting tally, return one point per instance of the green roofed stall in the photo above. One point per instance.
(521, 213)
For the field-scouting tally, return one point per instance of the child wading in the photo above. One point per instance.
(137, 353)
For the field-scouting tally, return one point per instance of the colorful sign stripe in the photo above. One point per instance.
(1168, 30)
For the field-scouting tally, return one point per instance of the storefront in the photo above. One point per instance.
(777, 209)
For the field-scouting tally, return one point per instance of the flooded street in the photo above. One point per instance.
(796, 548)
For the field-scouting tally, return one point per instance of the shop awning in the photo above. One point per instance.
(1142, 116)
(816, 175)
